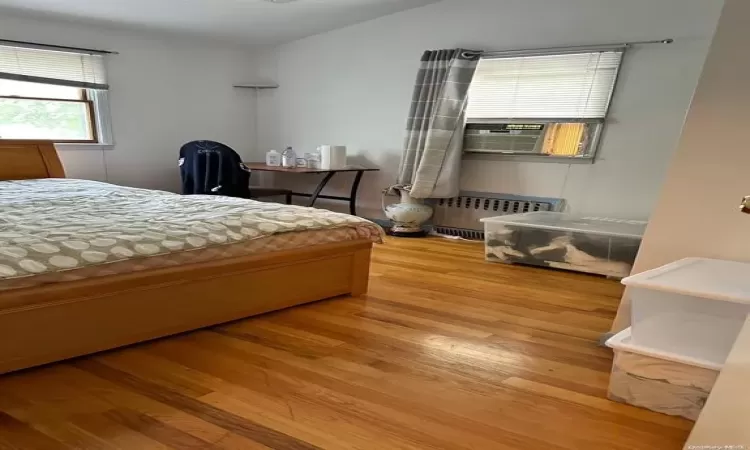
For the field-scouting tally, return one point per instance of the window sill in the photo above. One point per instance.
(526, 158)
(72, 146)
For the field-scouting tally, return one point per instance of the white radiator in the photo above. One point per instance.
(460, 216)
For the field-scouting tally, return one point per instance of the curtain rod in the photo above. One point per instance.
(575, 47)
(61, 48)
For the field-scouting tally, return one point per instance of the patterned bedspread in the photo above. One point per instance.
(56, 225)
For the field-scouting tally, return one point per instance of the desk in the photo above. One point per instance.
(352, 199)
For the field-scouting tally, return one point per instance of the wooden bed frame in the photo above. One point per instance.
(49, 323)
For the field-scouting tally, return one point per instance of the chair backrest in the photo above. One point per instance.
(212, 168)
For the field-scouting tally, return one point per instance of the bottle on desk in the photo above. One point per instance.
(289, 158)
(273, 158)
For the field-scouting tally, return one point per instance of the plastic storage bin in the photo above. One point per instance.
(694, 307)
(660, 381)
(563, 241)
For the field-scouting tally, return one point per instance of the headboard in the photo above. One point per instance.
(21, 160)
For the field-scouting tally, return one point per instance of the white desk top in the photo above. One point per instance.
(725, 420)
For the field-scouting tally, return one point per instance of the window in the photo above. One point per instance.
(52, 95)
(541, 104)
(43, 111)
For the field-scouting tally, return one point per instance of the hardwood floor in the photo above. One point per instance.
(447, 351)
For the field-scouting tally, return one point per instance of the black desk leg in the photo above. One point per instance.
(353, 197)
(320, 187)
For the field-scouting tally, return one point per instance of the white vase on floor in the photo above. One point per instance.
(408, 215)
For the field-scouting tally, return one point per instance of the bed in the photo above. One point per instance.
(88, 266)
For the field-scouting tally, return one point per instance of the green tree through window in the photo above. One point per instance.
(35, 111)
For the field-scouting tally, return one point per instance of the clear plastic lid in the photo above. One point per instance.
(623, 341)
(711, 279)
(568, 222)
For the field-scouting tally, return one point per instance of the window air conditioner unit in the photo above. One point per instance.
(504, 137)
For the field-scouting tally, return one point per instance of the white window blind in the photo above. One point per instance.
(562, 86)
(63, 68)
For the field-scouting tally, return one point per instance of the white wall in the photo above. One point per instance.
(165, 91)
(697, 211)
(353, 86)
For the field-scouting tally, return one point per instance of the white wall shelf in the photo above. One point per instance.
(256, 86)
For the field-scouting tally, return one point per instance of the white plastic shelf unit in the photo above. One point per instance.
(660, 381)
(694, 307)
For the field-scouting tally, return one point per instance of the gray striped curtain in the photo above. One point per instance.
(431, 162)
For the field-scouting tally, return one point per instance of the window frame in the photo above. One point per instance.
(90, 109)
(600, 124)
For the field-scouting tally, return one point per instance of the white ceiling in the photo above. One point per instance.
(248, 21)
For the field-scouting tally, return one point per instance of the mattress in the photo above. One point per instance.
(56, 230)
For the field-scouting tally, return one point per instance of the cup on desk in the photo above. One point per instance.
(332, 156)
(313, 160)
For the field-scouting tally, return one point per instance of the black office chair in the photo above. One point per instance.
(212, 168)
